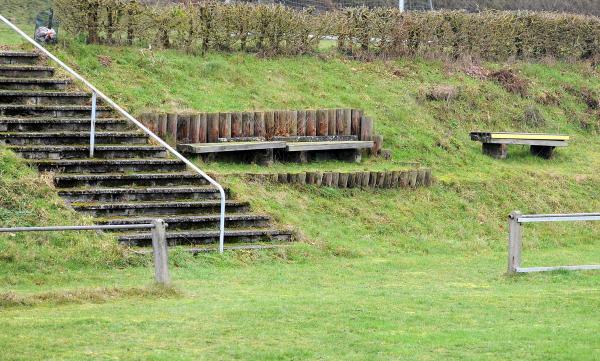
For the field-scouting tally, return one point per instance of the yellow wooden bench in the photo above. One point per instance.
(542, 145)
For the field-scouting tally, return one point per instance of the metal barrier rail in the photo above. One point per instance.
(97, 93)
(159, 241)
(515, 239)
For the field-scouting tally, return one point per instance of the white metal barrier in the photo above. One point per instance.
(515, 238)
(159, 241)
(97, 93)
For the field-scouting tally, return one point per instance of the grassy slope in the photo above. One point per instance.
(390, 274)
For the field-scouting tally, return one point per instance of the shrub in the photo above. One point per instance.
(361, 32)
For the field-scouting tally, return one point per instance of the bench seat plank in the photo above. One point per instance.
(316, 146)
(530, 136)
(203, 148)
(546, 143)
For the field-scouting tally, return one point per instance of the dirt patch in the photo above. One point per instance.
(443, 92)
(105, 60)
(511, 82)
(476, 71)
(548, 99)
(590, 98)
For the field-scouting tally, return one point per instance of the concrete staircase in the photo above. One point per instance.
(129, 180)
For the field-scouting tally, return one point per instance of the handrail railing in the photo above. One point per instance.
(110, 102)
(159, 241)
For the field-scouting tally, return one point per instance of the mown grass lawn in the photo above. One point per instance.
(378, 274)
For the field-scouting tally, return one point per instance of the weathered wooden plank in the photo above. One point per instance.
(236, 125)
(355, 123)
(225, 125)
(332, 119)
(292, 122)
(194, 128)
(322, 123)
(247, 124)
(269, 125)
(339, 115)
(343, 180)
(326, 179)
(200, 148)
(259, 124)
(366, 128)
(314, 146)
(162, 125)
(311, 123)
(301, 123)
(212, 120)
(203, 128)
(183, 128)
(347, 120)
(172, 126)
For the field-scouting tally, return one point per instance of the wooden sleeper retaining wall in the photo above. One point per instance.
(364, 179)
(210, 127)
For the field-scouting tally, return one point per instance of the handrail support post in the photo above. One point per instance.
(93, 125)
(515, 237)
(160, 252)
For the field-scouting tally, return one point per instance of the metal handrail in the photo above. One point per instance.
(109, 101)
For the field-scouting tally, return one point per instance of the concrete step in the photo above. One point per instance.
(26, 71)
(34, 83)
(44, 98)
(210, 222)
(208, 237)
(157, 209)
(18, 57)
(62, 124)
(122, 180)
(140, 194)
(14, 110)
(108, 165)
(71, 138)
(83, 151)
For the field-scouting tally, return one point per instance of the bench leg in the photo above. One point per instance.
(263, 157)
(498, 151)
(298, 157)
(542, 151)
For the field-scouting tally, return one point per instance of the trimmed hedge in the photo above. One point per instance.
(361, 32)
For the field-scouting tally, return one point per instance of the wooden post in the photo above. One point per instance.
(515, 236)
(225, 125)
(292, 122)
(311, 123)
(154, 122)
(213, 127)
(365, 179)
(366, 128)
(195, 128)
(343, 180)
(203, 128)
(347, 122)
(332, 115)
(160, 252)
(247, 124)
(172, 125)
(339, 115)
(301, 129)
(322, 123)
(259, 124)
(335, 179)
(327, 179)
(183, 126)
(236, 125)
(269, 125)
(377, 144)
(355, 126)
(162, 125)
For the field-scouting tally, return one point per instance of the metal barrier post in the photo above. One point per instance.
(160, 251)
(515, 236)
(93, 126)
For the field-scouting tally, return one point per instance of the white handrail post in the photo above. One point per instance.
(401, 5)
(222, 222)
(515, 236)
(93, 126)
(160, 252)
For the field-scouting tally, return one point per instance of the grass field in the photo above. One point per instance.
(379, 274)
